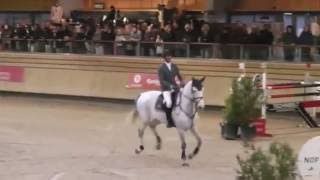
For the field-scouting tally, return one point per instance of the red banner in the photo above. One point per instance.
(143, 81)
(11, 74)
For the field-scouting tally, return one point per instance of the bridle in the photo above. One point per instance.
(195, 101)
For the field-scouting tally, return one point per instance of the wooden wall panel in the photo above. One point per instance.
(26, 5)
(83, 75)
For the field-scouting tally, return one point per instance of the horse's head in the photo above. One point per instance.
(197, 92)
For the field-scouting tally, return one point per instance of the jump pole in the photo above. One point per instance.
(261, 123)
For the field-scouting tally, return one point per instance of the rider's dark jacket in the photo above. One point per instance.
(167, 77)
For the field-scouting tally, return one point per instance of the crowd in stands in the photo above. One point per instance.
(88, 36)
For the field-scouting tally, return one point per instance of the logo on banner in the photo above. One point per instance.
(143, 81)
(11, 74)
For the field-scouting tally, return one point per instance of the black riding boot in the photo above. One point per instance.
(170, 123)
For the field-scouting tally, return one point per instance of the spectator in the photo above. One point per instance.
(89, 31)
(112, 14)
(134, 37)
(306, 38)
(159, 45)
(289, 39)
(224, 40)
(108, 36)
(79, 40)
(167, 36)
(252, 40)
(238, 35)
(266, 39)
(205, 37)
(120, 39)
(38, 36)
(5, 35)
(56, 13)
(149, 37)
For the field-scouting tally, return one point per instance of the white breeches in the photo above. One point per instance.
(167, 98)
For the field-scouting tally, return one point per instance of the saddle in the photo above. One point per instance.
(161, 106)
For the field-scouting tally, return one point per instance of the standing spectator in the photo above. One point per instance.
(177, 31)
(108, 37)
(120, 39)
(188, 37)
(205, 37)
(38, 36)
(150, 37)
(135, 37)
(266, 39)
(167, 36)
(90, 30)
(306, 38)
(79, 40)
(61, 35)
(98, 46)
(224, 40)
(112, 14)
(237, 37)
(252, 40)
(56, 13)
(5, 35)
(289, 39)
(159, 45)
(48, 36)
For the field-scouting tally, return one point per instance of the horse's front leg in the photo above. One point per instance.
(183, 148)
(199, 143)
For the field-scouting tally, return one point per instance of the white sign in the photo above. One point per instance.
(242, 66)
(309, 159)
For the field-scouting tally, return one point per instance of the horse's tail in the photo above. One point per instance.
(132, 116)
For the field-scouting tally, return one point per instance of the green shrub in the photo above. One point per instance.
(278, 163)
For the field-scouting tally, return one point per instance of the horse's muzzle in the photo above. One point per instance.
(201, 104)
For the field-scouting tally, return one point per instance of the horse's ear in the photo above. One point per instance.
(193, 79)
(203, 78)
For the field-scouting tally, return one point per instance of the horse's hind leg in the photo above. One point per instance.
(159, 141)
(141, 133)
(199, 142)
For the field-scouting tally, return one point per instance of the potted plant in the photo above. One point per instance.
(243, 107)
(277, 163)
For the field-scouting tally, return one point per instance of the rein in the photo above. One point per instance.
(194, 100)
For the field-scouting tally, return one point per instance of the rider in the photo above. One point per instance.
(168, 72)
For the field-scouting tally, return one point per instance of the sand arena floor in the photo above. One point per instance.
(45, 138)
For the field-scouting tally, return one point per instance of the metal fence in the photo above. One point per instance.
(278, 52)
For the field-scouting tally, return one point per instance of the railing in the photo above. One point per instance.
(288, 53)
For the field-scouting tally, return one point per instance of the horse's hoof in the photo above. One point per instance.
(158, 146)
(137, 151)
(190, 156)
(185, 164)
